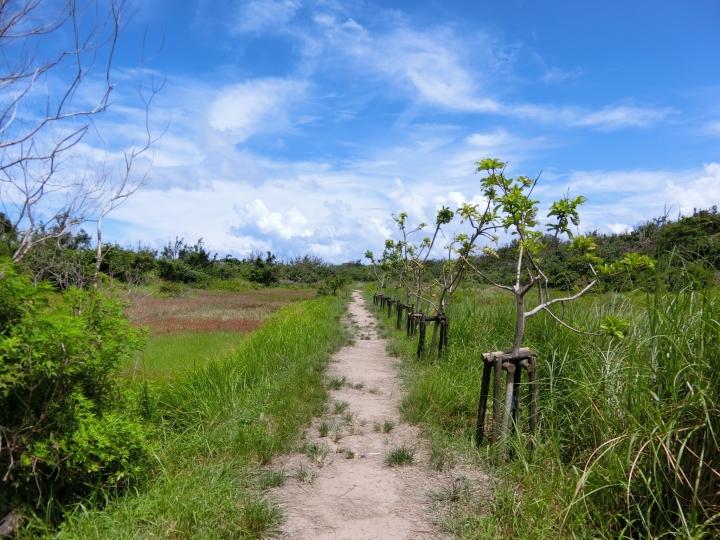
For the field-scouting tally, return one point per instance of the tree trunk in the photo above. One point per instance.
(98, 252)
(520, 322)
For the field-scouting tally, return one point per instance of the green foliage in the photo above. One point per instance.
(628, 440)
(400, 456)
(62, 429)
(218, 424)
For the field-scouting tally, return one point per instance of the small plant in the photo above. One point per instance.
(303, 475)
(399, 456)
(387, 426)
(460, 489)
(356, 386)
(271, 479)
(348, 418)
(315, 451)
(439, 459)
(349, 454)
(340, 407)
(259, 517)
(324, 429)
(335, 383)
(375, 390)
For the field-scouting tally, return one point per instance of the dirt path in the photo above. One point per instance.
(340, 488)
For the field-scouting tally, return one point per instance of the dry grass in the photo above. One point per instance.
(204, 311)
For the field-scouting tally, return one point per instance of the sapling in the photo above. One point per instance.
(515, 211)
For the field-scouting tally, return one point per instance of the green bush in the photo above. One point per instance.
(62, 430)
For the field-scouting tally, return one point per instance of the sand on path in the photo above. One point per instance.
(341, 488)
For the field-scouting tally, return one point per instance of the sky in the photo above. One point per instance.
(302, 126)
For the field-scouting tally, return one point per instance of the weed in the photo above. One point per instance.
(399, 456)
(271, 479)
(335, 383)
(356, 386)
(259, 517)
(387, 426)
(315, 451)
(375, 390)
(348, 418)
(349, 454)
(324, 429)
(303, 475)
(340, 407)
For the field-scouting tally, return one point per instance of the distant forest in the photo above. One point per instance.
(691, 244)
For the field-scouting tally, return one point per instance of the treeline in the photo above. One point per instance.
(687, 252)
(69, 260)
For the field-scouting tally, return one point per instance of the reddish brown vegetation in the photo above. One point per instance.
(203, 311)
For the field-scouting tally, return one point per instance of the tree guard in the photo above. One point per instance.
(513, 364)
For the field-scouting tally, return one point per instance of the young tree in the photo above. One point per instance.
(517, 213)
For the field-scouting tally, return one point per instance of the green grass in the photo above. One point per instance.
(400, 456)
(170, 355)
(628, 441)
(216, 425)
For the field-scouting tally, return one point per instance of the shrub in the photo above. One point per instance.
(62, 429)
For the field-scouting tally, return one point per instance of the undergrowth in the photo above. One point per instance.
(627, 445)
(216, 426)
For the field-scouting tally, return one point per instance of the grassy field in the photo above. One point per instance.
(187, 331)
(628, 439)
(215, 425)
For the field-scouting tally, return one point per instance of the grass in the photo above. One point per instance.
(340, 407)
(400, 456)
(216, 425)
(324, 429)
(627, 445)
(169, 355)
(386, 427)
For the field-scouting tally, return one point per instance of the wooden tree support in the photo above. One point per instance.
(420, 320)
(513, 364)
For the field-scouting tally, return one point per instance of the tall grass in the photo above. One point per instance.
(628, 440)
(217, 424)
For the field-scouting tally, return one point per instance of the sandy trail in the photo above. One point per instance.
(341, 488)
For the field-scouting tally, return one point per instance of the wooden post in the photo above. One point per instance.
(421, 340)
(482, 404)
(497, 397)
(442, 337)
(516, 393)
(532, 375)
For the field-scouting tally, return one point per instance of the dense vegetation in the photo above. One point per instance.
(628, 440)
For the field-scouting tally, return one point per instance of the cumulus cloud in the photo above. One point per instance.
(256, 216)
(257, 105)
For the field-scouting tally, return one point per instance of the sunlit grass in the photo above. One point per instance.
(170, 355)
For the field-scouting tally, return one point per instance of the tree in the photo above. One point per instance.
(517, 213)
(55, 77)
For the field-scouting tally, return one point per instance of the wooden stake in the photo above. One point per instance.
(482, 404)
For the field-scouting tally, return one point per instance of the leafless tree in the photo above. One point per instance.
(56, 76)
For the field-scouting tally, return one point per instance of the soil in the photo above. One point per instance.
(341, 488)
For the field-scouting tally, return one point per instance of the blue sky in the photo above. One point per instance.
(302, 126)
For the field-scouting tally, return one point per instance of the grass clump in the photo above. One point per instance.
(336, 384)
(400, 456)
(324, 429)
(259, 517)
(270, 479)
(340, 407)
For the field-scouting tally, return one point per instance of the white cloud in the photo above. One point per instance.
(258, 105)
(711, 128)
(556, 75)
(255, 215)
(266, 15)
